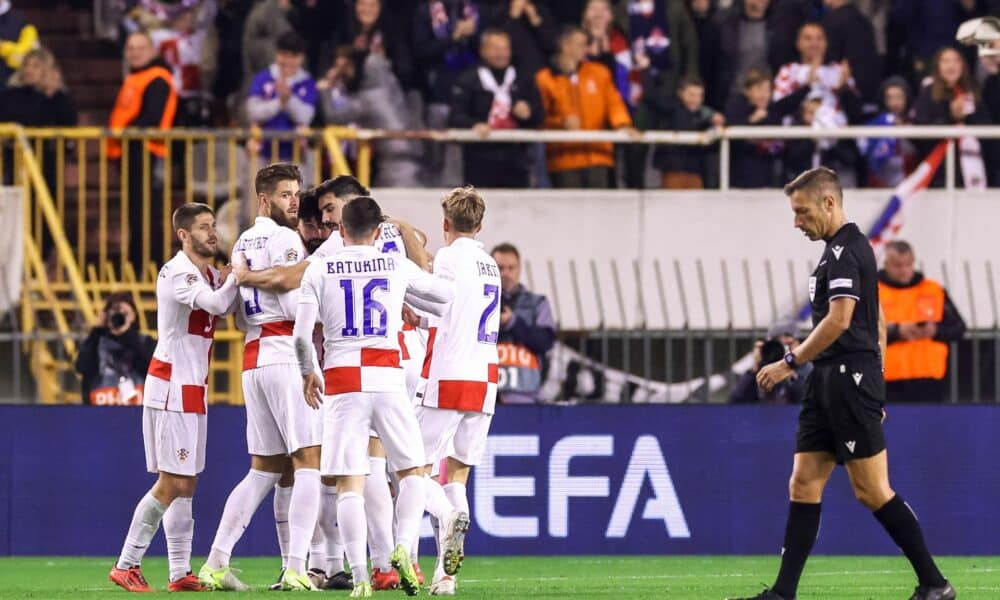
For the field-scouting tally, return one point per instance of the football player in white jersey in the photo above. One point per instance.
(190, 295)
(457, 392)
(394, 237)
(358, 293)
(278, 425)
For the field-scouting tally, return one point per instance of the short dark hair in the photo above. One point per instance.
(755, 75)
(291, 42)
(119, 297)
(309, 205)
(270, 176)
(185, 214)
(689, 81)
(900, 246)
(492, 31)
(506, 248)
(814, 180)
(342, 186)
(361, 217)
(568, 30)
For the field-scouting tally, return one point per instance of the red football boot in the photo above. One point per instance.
(131, 579)
(188, 583)
(420, 574)
(385, 580)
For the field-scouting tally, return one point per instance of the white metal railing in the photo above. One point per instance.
(722, 136)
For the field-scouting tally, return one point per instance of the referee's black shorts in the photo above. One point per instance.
(842, 409)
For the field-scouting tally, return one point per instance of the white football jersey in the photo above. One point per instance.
(330, 245)
(460, 368)
(269, 317)
(178, 374)
(390, 239)
(360, 293)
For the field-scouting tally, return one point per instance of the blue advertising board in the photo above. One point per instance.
(555, 480)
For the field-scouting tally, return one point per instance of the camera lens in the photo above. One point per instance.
(116, 320)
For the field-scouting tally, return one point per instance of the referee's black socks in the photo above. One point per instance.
(800, 534)
(904, 529)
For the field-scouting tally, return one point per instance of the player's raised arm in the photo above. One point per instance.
(414, 242)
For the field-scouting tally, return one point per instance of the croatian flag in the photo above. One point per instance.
(890, 221)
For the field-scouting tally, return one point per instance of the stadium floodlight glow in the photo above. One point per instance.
(980, 32)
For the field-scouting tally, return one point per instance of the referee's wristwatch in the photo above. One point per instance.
(789, 359)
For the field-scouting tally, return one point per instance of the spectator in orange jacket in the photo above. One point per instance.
(147, 100)
(577, 94)
(921, 323)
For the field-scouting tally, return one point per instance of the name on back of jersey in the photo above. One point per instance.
(487, 269)
(355, 267)
(254, 243)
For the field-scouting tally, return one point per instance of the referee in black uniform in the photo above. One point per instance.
(841, 417)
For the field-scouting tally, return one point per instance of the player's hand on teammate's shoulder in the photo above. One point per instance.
(773, 374)
(312, 387)
(239, 267)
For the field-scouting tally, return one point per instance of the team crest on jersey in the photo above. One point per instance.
(183, 455)
(191, 279)
(291, 255)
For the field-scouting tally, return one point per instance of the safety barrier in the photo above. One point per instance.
(73, 188)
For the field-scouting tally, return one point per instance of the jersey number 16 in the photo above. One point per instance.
(375, 317)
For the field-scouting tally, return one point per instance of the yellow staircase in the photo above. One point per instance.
(60, 297)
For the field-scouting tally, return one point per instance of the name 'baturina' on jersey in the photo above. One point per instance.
(847, 268)
(178, 374)
(269, 317)
(460, 369)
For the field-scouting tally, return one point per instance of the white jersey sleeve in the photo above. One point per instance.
(187, 285)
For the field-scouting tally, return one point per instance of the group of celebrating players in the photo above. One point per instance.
(369, 379)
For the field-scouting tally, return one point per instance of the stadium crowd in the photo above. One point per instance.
(577, 64)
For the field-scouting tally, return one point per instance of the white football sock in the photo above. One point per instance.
(317, 548)
(438, 504)
(378, 508)
(458, 496)
(145, 522)
(328, 523)
(410, 509)
(439, 565)
(302, 514)
(178, 526)
(240, 507)
(353, 530)
(282, 498)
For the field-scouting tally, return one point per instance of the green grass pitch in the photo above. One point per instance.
(672, 577)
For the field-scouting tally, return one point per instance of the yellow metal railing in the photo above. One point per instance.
(83, 209)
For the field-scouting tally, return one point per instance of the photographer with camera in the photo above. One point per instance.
(527, 332)
(780, 339)
(114, 358)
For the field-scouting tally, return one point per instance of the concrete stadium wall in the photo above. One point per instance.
(753, 263)
(555, 480)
